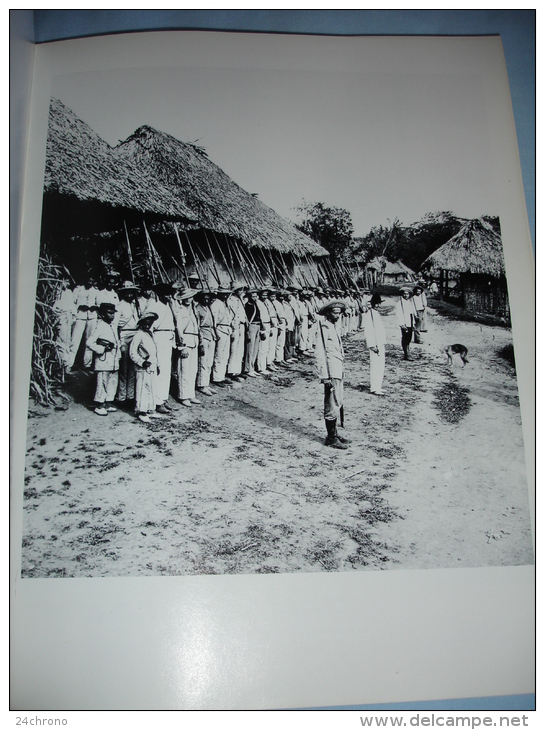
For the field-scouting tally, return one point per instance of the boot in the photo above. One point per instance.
(342, 439)
(332, 439)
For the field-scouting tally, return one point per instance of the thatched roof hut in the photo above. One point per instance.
(473, 258)
(395, 271)
(89, 189)
(101, 196)
(476, 249)
(220, 204)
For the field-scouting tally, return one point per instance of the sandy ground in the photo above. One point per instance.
(434, 476)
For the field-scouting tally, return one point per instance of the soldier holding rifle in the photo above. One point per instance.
(330, 361)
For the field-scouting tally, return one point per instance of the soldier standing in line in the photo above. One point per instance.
(282, 324)
(143, 352)
(85, 301)
(207, 342)
(127, 324)
(273, 328)
(239, 322)
(264, 333)
(254, 333)
(363, 307)
(104, 344)
(313, 320)
(223, 322)
(289, 346)
(65, 311)
(108, 293)
(304, 316)
(330, 361)
(164, 336)
(187, 345)
(296, 306)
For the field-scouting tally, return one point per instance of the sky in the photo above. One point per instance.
(381, 145)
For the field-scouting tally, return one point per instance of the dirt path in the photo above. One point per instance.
(434, 477)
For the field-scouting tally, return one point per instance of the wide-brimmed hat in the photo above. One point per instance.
(128, 286)
(223, 290)
(336, 303)
(106, 306)
(238, 285)
(187, 293)
(406, 287)
(418, 285)
(376, 299)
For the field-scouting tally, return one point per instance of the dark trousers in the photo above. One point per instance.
(406, 336)
(289, 347)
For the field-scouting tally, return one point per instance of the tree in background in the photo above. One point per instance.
(380, 241)
(331, 227)
(410, 244)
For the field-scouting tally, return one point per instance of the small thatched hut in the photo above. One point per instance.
(396, 272)
(381, 271)
(474, 259)
(154, 201)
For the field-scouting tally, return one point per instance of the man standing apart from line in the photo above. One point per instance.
(421, 306)
(375, 338)
(406, 318)
(330, 361)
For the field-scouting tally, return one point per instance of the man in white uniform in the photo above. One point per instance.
(375, 338)
(187, 345)
(235, 302)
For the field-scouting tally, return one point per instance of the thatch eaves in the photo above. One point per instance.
(476, 249)
(221, 205)
(82, 166)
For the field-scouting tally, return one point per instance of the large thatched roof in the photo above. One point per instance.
(221, 205)
(475, 249)
(153, 173)
(82, 166)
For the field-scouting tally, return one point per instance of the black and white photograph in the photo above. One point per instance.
(272, 329)
(272, 394)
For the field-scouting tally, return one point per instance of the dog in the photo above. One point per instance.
(457, 350)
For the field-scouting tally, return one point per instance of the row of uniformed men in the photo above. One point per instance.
(226, 334)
